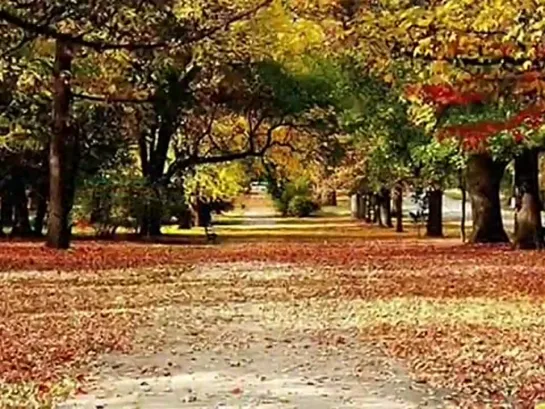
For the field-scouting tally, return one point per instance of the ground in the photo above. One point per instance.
(248, 354)
(319, 313)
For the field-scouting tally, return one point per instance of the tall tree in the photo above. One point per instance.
(99, 26)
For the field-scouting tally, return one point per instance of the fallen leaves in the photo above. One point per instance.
(468, 319)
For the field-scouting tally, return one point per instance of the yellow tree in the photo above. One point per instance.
(106, 28)
(459, 49)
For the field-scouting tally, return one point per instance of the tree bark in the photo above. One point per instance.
(398, 207)
(203, 213)
(153, 156)
(61, 166)
(329, 198)
(376, 210)
(186, 219)
(434, 225)
(7, 210)
(464, 208)
(355, 205)
(369, 208)
(529, 231)
(150, 225)
(483, 181)
(21, 226)
(362, 214)
(41, 211)
(385, 208)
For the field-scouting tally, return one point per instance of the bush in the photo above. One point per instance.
(295, 199)
(302, 206)
(108, 202)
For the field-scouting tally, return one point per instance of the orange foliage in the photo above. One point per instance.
(475, 136)
(48, 330)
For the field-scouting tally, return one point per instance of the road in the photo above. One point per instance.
(452, 211)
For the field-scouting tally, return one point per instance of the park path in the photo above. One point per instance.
(261, 214)
(294, 374)
(239, 357)
(270, 369)
(251, 354)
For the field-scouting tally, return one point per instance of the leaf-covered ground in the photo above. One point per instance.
(466, 319)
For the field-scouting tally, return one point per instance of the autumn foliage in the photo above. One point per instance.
(474, 136)
(463, 318)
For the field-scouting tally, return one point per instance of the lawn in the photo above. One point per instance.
(466, 320)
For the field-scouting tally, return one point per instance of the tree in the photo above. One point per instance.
(97, 27)
(462, 52)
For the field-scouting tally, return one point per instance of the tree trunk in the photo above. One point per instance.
(61, 172)
(153, 215)
(369, 208)
(203, 213)
(398, 207)
(329, 198)
(464, 208)
(528, 232)
(153, 155)
(385, 208)
(376, 210)
(6, 215)
(483, 181)
(21, 226)
(186, 219)
(362, 207)
(355, 205)
(41, 211)
(434, 226)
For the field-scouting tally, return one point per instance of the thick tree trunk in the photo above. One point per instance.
(203, 213)
(529, 231)
(186, 219)
(434, 226)
(483, 181)
(155, 219)
(152, 220)
(61, 160)
(398, 207)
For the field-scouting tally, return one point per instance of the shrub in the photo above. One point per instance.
(302, 206)
(295, 199)
(108, 202)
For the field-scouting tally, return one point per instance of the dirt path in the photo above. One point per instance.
(291, 372)
(252, 354)
(261, 213)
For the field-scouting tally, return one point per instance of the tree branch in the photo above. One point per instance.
(25, 40)
(113, 99)
(46, 30)
(224, 157)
